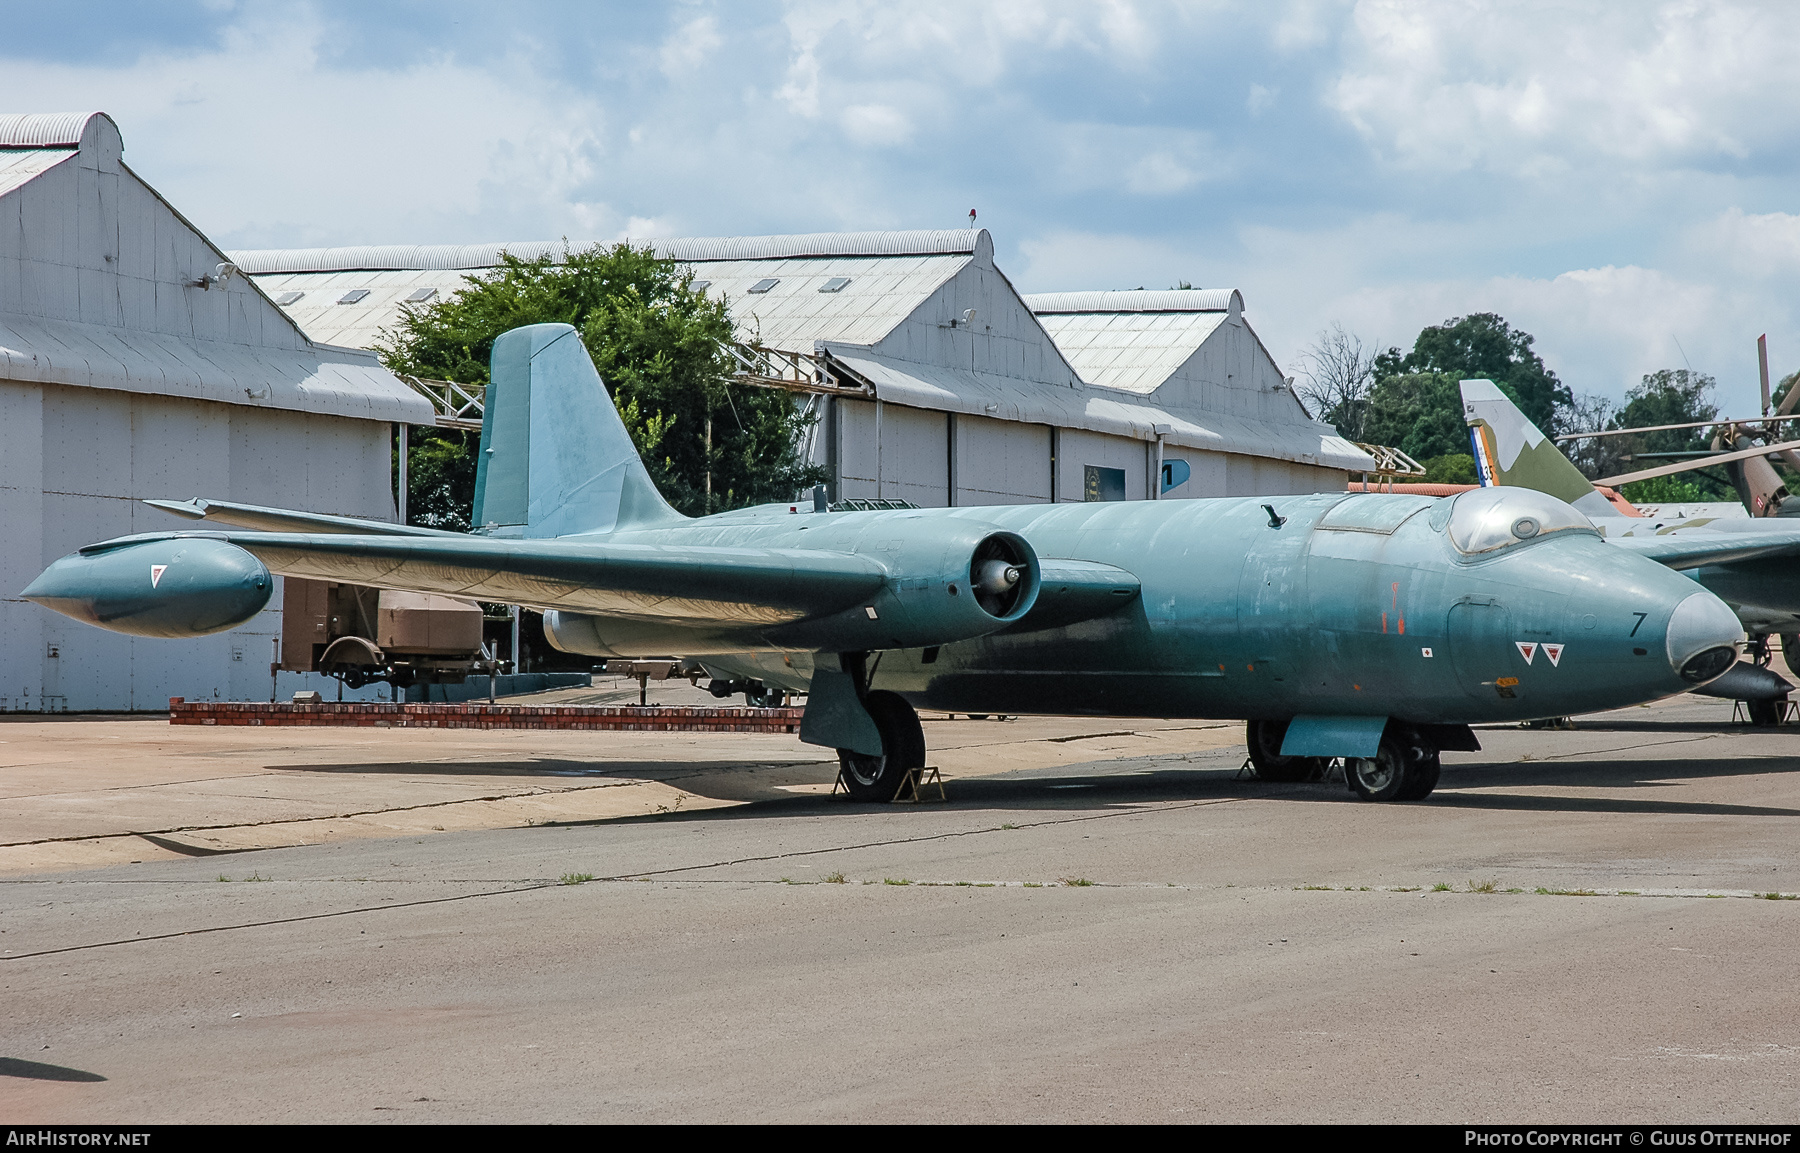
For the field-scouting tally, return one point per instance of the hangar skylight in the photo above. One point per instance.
(354, 295)
(835, 284)
(287, 298)
(763, 285)
(420, 295)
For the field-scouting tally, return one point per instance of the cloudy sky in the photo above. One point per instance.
(1617, 179)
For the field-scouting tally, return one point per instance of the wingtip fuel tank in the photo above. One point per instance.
(170, 587)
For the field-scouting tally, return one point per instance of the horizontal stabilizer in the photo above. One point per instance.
(262, 519)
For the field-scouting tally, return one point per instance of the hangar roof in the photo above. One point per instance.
(441, 257)
(845, 293)
(849, 286)
(104, 285)
(1133, 340)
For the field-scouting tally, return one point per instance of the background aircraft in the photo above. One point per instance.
(1749, 563)
(1371, 627)
(1743, 448)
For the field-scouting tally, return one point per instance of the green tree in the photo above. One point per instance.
(1675, 489)
(1419, 413)
(1483, 345)
(660, 346)
(1671, 396)
(440, 478)
(1780, 394)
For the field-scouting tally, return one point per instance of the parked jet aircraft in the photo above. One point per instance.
(1749, 563)
(1372, 627)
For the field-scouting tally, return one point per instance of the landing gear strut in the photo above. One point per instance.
(878, 778)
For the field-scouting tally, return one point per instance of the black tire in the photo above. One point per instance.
(902, 747)
(1264, 740)
(1423, 778)
(1766, 714)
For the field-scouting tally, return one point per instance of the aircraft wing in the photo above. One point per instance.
(692, 584)
(1688, 550)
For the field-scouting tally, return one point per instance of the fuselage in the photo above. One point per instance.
(1335, 604)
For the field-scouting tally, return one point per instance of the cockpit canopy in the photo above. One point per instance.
(1484, 520)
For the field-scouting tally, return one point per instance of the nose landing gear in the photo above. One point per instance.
(1400, 770)
(1405, 767)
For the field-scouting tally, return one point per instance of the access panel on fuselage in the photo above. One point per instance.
(1480, 639)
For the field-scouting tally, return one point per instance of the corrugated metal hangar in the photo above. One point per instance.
(135, 362)
(934, 381)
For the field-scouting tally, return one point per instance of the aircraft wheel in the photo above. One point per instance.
(1790, 652)
(1423, 776)
(1382, 777)
(1264, 740)
(902, 748)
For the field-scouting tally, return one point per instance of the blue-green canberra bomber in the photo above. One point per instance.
(1374, 627)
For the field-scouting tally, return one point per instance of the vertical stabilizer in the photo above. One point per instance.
(1510, 450)
(555, 457)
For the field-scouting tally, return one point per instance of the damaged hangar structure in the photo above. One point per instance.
(933, 381)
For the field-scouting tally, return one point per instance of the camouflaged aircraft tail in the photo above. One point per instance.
(1510, 450)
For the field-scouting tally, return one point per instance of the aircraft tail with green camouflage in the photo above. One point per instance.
(1510, 450)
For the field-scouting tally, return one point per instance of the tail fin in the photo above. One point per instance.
(555, 457)
(1510, 450)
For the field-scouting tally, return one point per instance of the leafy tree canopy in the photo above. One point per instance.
(1671, 396)
(1679, 488)
(1781, 390)
(1484, 345)
(1419, 413)
(660, 346)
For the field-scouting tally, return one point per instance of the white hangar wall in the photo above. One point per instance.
(130, 370)
(75, 464)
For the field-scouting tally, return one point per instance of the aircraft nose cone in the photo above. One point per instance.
(1702, 638)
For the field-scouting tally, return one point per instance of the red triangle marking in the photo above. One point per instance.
(1527, 649)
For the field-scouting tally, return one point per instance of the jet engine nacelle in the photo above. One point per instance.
(179, 587)
(946, 581)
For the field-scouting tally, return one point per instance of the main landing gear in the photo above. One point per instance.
(1264, 739)
(878, 778)
(1404, 768)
